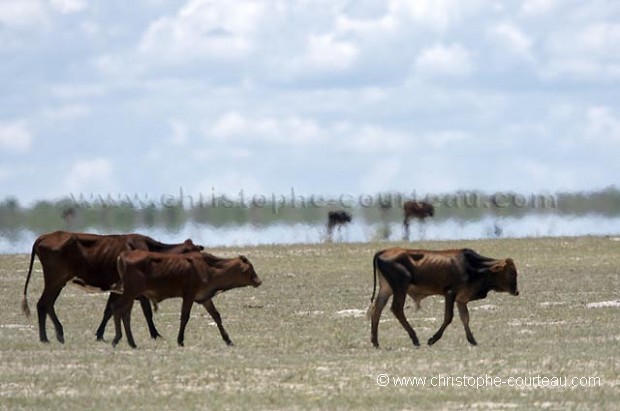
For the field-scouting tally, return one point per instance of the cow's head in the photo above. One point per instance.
(189, 246)
(430, 210)
(505, 273)
(247, 274)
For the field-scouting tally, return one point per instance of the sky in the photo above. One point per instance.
(331, 97)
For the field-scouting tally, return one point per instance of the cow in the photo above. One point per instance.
(460, 276)
(338, 218)
(195, 277)
(415, 209)
(89, 261)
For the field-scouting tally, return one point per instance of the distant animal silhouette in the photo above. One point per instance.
(416, 209)
(338, 218)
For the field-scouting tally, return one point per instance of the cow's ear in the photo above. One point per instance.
(499, 267)
(509, 261)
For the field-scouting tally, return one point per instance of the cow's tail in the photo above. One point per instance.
(121, 268)
(371, 308)
(25, 307)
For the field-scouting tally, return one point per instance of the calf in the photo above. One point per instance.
(89, 261)
(195, 277)
(460, 276)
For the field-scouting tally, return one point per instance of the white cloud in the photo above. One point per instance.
(23, 13)
(441, 139)
(590, 52)
(326, 53)
(538, 7)
(204, 29)
(370, 138)
(179, 132)
(15, 137)
(381, 176)
(345, 24)
(602, 126)
(511, 38)
(67, 113)
(119, 65)
(599, 40)
(304, 132)
(291, 130)
(435, 14)
(451, 60)
(78, 91)
(68, 6)
(94, 175)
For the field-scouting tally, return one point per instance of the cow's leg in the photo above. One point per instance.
(398, 305)
(126, 317)
(447, 319)
(45, 307)
(118, 334)
(210, 307)
(107, 314)
(375, 313)
(145, 303)
(42, 316)
(186, 310)
(422, 228)
(406, 229)
(464, 314)
(118, 310)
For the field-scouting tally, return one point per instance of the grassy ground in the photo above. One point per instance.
(302, 340)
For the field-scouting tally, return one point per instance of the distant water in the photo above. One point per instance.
(360, 231)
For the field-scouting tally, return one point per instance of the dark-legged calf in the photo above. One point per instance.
(194, 277)
(460, 276)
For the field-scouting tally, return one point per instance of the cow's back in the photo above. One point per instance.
(161, 275)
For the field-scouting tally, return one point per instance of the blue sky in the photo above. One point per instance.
(147, 96)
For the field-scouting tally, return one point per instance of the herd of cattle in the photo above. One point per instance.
(136, 267)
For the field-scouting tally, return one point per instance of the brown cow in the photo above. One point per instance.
(416, 209)
(460, 276)
(195, 277)
(87, 260)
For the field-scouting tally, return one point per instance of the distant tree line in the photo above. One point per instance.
(172, 213)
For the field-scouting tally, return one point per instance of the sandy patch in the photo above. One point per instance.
(604, 304)
(15, 326)
(309, 312)
(485, 307)
(353, 312)
(551, 303)
(519, 323)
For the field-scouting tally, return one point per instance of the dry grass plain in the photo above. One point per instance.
(302, 340)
